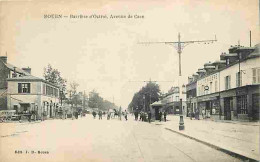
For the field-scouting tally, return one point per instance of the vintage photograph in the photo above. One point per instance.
(129, 81)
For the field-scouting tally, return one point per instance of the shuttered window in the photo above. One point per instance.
(256, 75)
(24, 87)
(238, 79)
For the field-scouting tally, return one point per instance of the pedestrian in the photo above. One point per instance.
(76, 115)
(141, 115)
(160, 116)
(125, 115)
(108, 115)
(100, 115)
(197, 114)
(94, 114)
(149, 116)
(164, 115)
(136, 115)
(191, 115)
(203, 113)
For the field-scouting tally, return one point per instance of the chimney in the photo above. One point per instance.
(4, 59)
(28, 70)
(190, 79)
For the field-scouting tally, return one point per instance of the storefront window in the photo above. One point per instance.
(242, 104)
(215, 107)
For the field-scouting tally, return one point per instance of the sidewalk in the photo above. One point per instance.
(231, 137)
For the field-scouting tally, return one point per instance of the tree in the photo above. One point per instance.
(53, 76)
(96, 101)
(144, 97)
(74, 96)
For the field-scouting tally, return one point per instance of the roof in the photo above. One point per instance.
(12, 67)
(157, 103)
(30, 78)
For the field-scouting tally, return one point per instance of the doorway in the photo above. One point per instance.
(228, 106)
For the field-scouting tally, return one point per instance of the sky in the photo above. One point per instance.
(105, 54)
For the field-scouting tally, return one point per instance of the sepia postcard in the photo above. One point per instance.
(129, 81)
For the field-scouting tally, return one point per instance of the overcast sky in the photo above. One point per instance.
(104, 54)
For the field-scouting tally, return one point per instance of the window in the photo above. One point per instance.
(24, 87)
(216, 86)
(256, 75)
(238, 79)
(227, 82)
(44, 89)
(210, 88)
(177, 98)
(242, 104)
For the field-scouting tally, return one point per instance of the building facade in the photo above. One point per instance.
(8, 71)
(191, 94)
(229, 89)
(29, 93)
(172, 101)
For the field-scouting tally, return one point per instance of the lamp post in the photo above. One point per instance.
(181, 123)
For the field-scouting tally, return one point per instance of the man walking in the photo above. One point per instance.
(125, 115)
(164, 115)
(160, 116)
(149, 116)
(100, 115)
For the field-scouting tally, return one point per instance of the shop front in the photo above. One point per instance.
(208, 106)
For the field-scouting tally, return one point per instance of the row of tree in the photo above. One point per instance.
(72, 96)
(144, 97)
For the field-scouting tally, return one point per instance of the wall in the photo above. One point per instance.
(247, 74)
(14, 98)
(214, 87)
(34, 97)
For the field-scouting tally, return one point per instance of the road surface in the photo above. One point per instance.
(88, 139)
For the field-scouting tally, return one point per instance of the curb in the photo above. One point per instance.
(234, 154)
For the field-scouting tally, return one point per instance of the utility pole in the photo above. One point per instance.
(179, 46)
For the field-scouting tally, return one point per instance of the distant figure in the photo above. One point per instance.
(108, 115)
(149, 116)
(119, 115)
(136, 115)
(203, 113)
(160, 116)
(197, 114)
(100, 115)
(94, 114)
(125, 115)
(76, 115)
(164, 115)
(141, 116)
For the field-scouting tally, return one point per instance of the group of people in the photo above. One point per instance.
(162, 114)
(194, 114)
(109, 115)
(146, 116)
